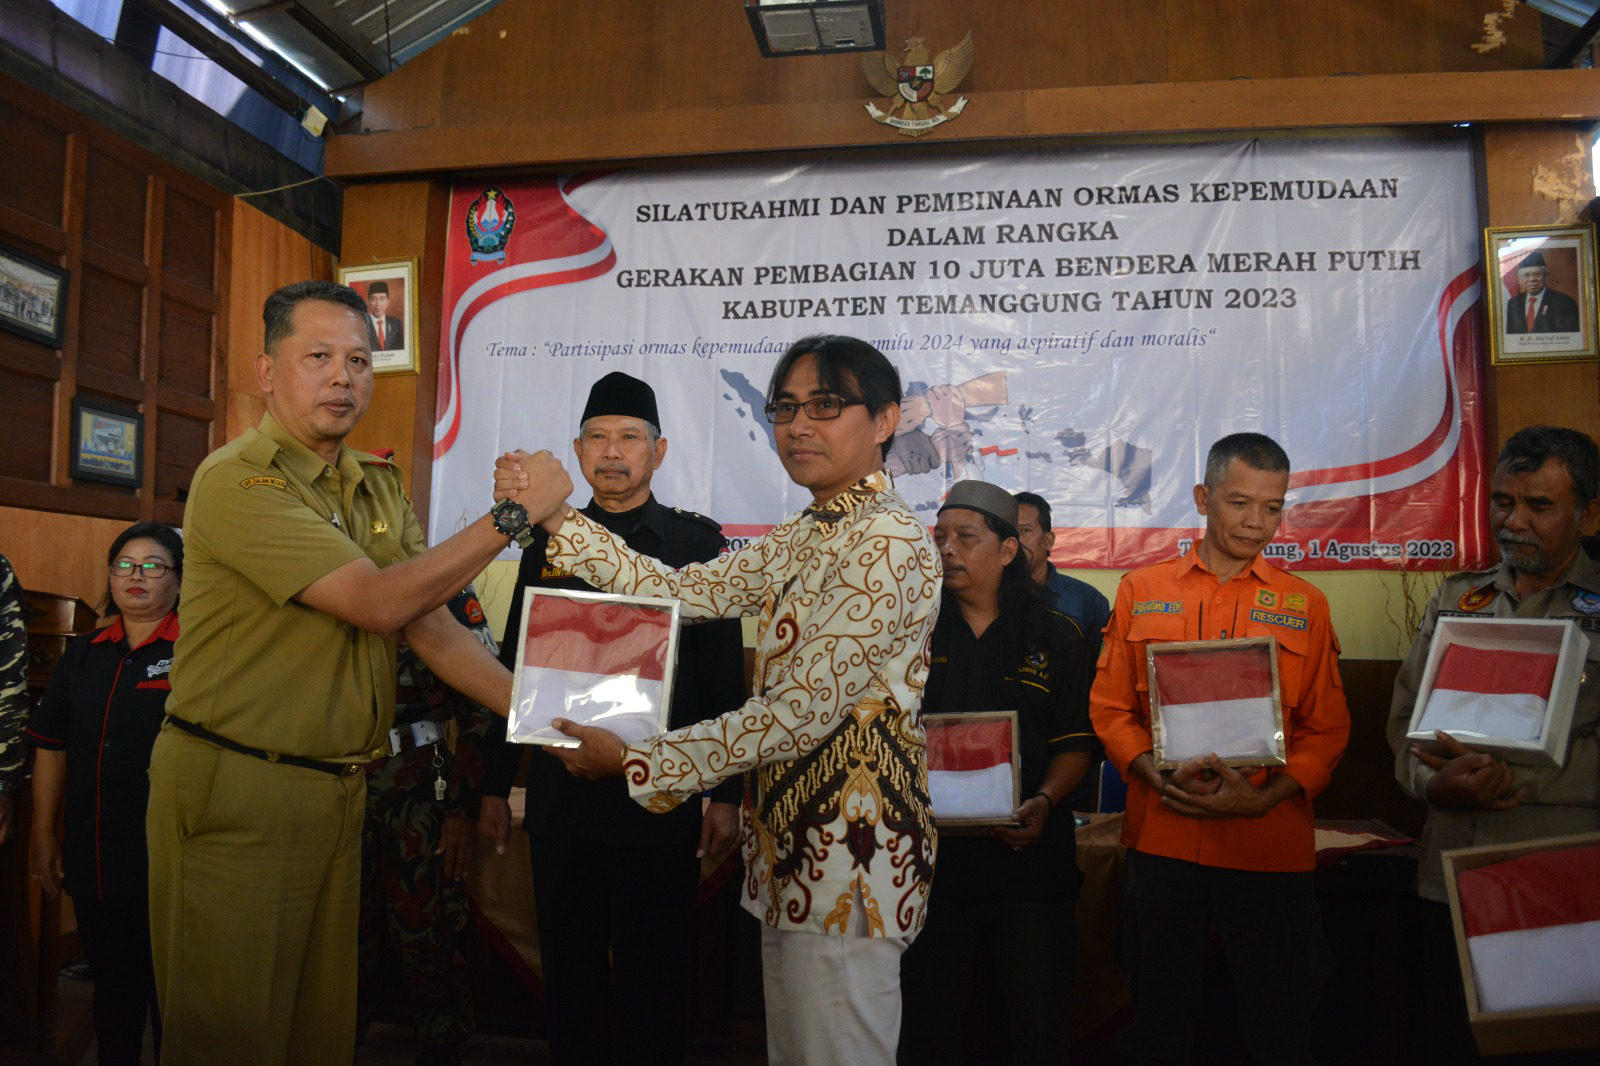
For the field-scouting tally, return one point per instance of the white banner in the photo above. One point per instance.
(1082, 324)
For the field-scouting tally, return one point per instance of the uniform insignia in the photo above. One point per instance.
(1474, 599)
(1266, 598)
(915, 88)
(1038, 657)
(1271, 618)
(1586, 603)
(1157, 607)
(474, 611)
(379, 527)
(271, 482)
(553, 571)
(489, 221)
(1294, 601)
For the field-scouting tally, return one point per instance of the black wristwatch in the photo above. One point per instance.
(511, 520)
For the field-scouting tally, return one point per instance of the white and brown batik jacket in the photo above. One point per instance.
(846, 594)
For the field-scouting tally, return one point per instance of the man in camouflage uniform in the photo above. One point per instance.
(13, 694)
(422, 805)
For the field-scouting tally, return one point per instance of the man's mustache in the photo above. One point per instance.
(613, 468)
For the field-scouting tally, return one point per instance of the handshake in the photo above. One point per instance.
(538, 482)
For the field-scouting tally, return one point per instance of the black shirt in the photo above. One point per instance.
(104, 708)
(1048, 687)
(709, 682)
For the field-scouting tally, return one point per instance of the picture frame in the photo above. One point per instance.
(1219, 697)
(974, 769)
(107, 443)
(1559, 262)
(33, 297)
(389, 290)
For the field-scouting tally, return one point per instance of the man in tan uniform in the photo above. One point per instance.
(304, 560)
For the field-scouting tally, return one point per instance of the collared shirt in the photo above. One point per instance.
(1047, 684)
(1181, 600)
(708, 682)
(266, 518)
(1079, 601)
(104, 707)
(1560, 800)
(846, 595)
(13, 673)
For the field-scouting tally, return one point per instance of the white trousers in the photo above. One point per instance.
(831, 1000)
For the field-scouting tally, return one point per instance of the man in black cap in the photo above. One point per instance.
(614, 884)
(385, 332)
(1539, 309)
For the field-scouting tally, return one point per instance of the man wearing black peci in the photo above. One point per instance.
(615, 885)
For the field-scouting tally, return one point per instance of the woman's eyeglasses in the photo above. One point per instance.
(127, 567)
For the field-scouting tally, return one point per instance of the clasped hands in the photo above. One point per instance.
(1466, 779)
(1204, 787)
(538, 482)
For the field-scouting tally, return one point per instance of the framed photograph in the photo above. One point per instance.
(107, 443)
(390, 291)
(595, 658)
(1541, 292)
(33, 297)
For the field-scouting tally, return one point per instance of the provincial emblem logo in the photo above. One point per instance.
(915, 88)
(1266, 598)
(1294, 601)
(1474, 599)
(489, 221)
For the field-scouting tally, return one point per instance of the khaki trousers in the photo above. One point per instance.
(255, 871)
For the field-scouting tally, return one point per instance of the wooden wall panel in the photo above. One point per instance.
(110, 323)
(114, 205)
(63, 554)
(188, 240)
(1564, 394)
(35, 190)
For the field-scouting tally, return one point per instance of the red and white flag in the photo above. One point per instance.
(594, 662)
(1500, 694)
(969, 767)
(1218, 701)
(1533, 929)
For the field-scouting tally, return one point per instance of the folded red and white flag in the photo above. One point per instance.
(594, 662)
(1533, 929)
(969, 767)
(1216, 701)
(1501, 694)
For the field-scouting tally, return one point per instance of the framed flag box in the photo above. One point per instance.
(974, 768)
(1507, 685)
(1527, 925)
(594, 658)
(1217, 696)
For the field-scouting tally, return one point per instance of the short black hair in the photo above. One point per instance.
(847, 367)
(1256, 450)
(277, 315)
(1529, 448)
(166, 536)
(1038, 503)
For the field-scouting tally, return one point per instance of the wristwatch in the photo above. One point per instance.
(511, 520)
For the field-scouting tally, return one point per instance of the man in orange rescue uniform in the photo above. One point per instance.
(1208, 844)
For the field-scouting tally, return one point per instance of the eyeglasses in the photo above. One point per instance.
(818, 410)
(126, 567)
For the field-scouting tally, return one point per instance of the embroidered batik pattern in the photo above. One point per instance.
(846, 595)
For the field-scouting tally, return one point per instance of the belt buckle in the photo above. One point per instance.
(351, 769)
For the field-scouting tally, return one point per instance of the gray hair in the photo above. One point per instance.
(1255, 450)
(655, 431)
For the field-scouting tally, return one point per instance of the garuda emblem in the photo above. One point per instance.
(490, 219)
(915, 88)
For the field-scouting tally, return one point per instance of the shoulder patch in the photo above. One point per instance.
(1267, 598)
(1476, 599)
(1157, 607)
(270, 482)
(1295, 601)
(696, 516)
(1274, 618)
(1586, 602)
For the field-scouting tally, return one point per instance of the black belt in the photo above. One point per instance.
(337, 769)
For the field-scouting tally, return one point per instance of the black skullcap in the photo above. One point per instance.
(984, 498)
(1533, 259)
(621, 394)
(378, 286)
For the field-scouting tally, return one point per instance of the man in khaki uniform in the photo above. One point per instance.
(304, 560)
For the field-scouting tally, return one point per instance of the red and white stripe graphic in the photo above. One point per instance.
(1216, 701)
(595, 663)
(1533, 929)
(1499, 694)
(969, 768)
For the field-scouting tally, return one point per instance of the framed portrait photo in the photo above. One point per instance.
(1541, 292)
(107, 443)
(33, 297)
(390, 292)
